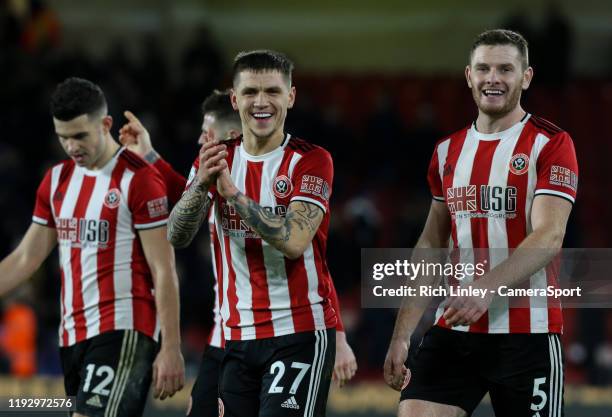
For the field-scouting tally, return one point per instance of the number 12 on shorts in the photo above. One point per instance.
(539, 396)
(279, 367)
(103, 371)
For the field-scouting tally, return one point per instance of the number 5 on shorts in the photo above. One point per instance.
(537, 392)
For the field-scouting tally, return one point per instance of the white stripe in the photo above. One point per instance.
(295, 158)
(125, 374)
(309, 200)
(151, 225)
(551, 379)
(553, 192)
(538, 306)
(315, 299)
(558, 400)
(89, 260)
(55, 175)
(124, 353)
(438, 198)
(65, 248)
(122, 275)
(497, 233)
(215, 337)
(461, 178)
(239, 260)
(319, 370)
(224, 307)
(442, 151)
(315, 364)
(40, 220)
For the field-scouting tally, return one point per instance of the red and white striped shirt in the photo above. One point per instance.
(488, 182)
(106, 281)
(263, 294)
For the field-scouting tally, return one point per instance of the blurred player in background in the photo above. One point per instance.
(506, 181)
(220, 121)
(107, 209)
(271, 206)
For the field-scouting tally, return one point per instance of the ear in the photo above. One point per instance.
(527, 77)
(233, 99)
(107, 123)
(468, 72)
(292, 94)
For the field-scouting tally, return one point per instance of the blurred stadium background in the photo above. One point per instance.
(378, 83)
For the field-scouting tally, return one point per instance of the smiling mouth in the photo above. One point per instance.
(262, 116)
(492, 92)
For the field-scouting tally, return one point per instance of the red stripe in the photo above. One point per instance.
(143, 302)
(452, 155)
(298, 295)
(106, 259)
(232, 297)
(75, 260)
(324, 289)
(481, 170)
(516, 229)
(64, 180)
(218, 260)
(260, 297)
(555, 317)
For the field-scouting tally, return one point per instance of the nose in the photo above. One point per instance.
(71, 145)
(492, 76)
(261, 100)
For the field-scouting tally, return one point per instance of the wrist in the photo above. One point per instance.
(151, 157)
(340, 335)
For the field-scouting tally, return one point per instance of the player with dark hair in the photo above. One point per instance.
(505, 183)
(107, 209)
(271, 206)
(221, 121)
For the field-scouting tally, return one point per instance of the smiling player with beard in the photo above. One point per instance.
(507, 181)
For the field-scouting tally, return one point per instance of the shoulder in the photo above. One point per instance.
(545, 127)
(445, 141)
(304, 147)
(133, 161)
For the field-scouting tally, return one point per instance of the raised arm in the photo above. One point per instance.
(33, 249)
(191, 210)
(168, 368)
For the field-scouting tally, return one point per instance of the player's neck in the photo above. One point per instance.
(494, 124)
(111, 149)
(262, 145)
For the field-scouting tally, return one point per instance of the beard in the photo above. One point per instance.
(512, 99)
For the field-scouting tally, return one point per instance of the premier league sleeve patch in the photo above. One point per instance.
(158, 207)
(316, 186)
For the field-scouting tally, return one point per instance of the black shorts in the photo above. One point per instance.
(111, 371)
(281, 376)
(205, 392)
(523, 373)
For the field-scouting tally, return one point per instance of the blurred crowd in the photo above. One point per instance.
(379, 129)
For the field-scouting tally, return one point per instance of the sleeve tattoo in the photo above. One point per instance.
(188, 215)
(273, 228)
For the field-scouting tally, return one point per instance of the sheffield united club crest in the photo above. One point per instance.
(282, 186)
(519, 164)
(112, 198)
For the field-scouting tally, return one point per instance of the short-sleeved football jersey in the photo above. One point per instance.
(106, 281)
(489, 182)
(262, 293)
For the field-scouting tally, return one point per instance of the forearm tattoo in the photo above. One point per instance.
(273, 228)
(188, 215)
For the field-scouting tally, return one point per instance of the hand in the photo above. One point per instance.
(212, 162)
(134, 136)
(168, 373)
(346, 364)
(225, 185)
(394, 370)
(466, 310)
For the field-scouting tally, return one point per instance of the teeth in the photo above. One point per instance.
(493, 92)
(261, 115)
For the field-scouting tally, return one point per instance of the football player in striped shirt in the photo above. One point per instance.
(507, 184)
(271, 206)
(107, 210)
(220, 121)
